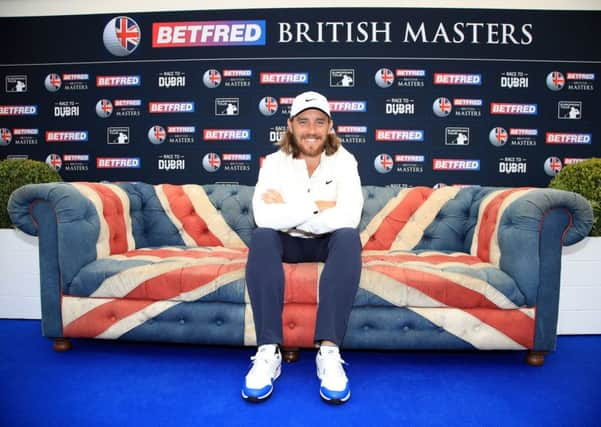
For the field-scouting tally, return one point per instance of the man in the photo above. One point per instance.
(307, 205)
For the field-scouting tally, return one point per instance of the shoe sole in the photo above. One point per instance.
(260, 399)
(335, 401)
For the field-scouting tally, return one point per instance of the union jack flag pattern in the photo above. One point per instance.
(451, 267)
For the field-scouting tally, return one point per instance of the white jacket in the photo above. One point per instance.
(335, 179)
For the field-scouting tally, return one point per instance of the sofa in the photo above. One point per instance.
(452, 268)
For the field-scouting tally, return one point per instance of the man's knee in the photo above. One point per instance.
(265, 236)
(346, 236)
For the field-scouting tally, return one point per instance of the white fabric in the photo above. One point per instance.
(335, 179)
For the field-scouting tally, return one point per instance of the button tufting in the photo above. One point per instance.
(406, 328)
(182, 321)
(291, 325)
(219, 322)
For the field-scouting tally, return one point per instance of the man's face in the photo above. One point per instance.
(310, 128)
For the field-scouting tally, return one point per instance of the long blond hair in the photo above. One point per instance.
(289, 145)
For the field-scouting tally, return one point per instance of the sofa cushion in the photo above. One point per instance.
(435, 279)
(399, 278)
(165, 273)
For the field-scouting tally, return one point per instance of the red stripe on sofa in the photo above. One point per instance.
(184, 211)
(101, 318)
(299, 315)
(394, 222)
(513, 323)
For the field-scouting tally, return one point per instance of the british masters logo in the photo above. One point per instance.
(383, 163)
(555, 81)
(121, 36)
(384, 77)
(342, 78)
(552, 166)
(268, 106)
(442, 107)
(352, 134)
(15, 84)
(410, 77)
(69, 81)
(211, 162)
(172, 135)
(211, 78)
(5, 136)
(569, 110)
(121, 107)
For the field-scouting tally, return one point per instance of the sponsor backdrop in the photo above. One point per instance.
(420, 96)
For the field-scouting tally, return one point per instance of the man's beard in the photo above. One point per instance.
(317, 149)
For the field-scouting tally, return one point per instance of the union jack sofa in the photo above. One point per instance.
(449, 268)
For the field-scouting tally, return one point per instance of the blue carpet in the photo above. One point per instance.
(107, 383)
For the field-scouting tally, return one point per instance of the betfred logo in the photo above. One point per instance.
(455, 165)
(351, 129)
(171, 107)
(580, 76)
(67, 136)
(226, 134)
(118, 81)
(348, 106)
(392, 135)
(513, 109)
(118, 162)
(283, 78)
(457, 79)
(208, 33)
(568, 138)
(18, 110)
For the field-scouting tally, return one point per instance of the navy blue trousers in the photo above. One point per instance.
(341, 253)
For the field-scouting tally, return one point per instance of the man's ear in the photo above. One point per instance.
(331, 126)
(290, 125)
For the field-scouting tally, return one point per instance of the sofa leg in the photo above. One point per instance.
(290, 354)
(62, 344)
(535, 358)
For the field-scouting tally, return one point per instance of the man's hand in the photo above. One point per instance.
(322, 205)
(272, 196)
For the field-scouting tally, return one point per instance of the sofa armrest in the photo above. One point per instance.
(521, 230)
(65, 221)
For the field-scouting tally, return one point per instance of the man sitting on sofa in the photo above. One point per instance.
(307, 206)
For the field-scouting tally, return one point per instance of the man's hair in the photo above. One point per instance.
(289, 145)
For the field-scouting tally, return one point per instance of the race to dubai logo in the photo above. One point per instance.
(121, 36)
(384, 77)
(442, 107)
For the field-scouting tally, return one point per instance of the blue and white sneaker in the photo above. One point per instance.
(334, 386)
(266, 368)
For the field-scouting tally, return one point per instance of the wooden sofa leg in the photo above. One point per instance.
(290, 354)
(535, 358)
(62, 344)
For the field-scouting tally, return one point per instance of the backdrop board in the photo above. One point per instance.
(420, 96)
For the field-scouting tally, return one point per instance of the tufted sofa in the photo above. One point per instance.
(449, 268)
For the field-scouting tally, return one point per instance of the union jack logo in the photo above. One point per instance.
(442, 107)
(554, 164)
(211, 162)
(54, 161)
(383, 163)
(212, 78)
(5, 136)
(128, 33)
(384, 77)
(501, 135)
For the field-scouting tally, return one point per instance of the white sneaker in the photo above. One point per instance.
(266, 368)
(334, 386)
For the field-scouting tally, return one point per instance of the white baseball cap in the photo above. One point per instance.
(307, 100)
